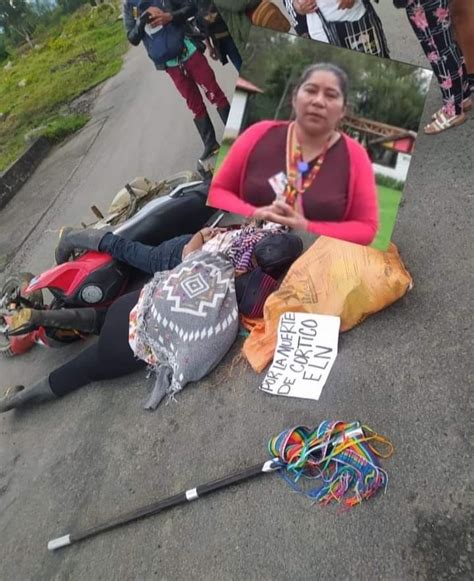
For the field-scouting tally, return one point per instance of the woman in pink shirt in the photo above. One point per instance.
(305, 174)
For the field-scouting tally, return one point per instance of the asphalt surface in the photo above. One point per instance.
(404, 372)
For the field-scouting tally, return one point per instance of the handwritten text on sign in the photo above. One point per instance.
(304, 355)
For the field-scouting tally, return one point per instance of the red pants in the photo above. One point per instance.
(191, 75)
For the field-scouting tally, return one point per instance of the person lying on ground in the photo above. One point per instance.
(237, 242)
(111, 356)
(159, 326)
(304, 174)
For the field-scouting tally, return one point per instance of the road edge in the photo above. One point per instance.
(17, 174)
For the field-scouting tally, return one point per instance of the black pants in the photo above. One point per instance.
(108, 358)
(111, 356)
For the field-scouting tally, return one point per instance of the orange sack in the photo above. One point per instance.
(331, 278)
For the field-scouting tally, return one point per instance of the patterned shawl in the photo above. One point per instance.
(185, 322)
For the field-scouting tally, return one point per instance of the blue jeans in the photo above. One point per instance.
(149, 259)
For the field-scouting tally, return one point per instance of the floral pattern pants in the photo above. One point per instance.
(431, 21)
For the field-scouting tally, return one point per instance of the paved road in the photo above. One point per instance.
(83, 458)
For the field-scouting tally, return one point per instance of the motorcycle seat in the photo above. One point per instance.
(184, 211)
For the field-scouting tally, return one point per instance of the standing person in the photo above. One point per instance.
(234, 14)
(463, 21)
(161, 26)
(431, 22)
(219, 42)
(238, 15)
(352, 24)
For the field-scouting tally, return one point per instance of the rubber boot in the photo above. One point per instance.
(19, 396)
(26, 320)
(208, 136)
(224, 113)
(77, 239)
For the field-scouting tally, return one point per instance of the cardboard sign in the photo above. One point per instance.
(304, 355)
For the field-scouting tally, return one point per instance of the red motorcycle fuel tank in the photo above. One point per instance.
(93, 279)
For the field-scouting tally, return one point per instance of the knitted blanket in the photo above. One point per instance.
(185, 322)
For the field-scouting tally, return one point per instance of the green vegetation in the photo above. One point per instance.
(225, 146)
(391, 183)
(61, 127)
(69, 58)
(389, 200)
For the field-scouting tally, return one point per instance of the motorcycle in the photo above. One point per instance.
(151, 215)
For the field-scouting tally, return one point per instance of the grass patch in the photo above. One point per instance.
(84, 51)
(61, 127)
(389, 200)
(389, 182)
(225, 146)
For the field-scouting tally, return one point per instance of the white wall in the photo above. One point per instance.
(236, 115)
(399, 172)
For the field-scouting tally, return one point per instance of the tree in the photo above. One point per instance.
(3, 48)
(16, 19)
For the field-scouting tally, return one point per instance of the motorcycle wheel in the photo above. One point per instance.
(12, 288)
(15, 285)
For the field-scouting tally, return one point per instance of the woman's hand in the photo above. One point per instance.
(209, 233)
(282, 213)
(199, 239)
(304, 7)
(262, 213)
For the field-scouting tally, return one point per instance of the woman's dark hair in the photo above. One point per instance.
(340, 74)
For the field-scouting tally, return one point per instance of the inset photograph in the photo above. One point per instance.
(319, 138)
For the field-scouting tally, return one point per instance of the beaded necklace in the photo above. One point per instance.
(299, 173)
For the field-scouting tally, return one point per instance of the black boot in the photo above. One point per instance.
(19, 396)
(224, 113)
(77, 239)
(84, 320)
(208, 136)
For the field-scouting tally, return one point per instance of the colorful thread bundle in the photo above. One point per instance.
(340, 455)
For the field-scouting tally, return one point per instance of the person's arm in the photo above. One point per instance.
(225, 188)
(196, 243)
(182, 10)
(304, 7)
(135, 28)
(297, 20)
(200, 238)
